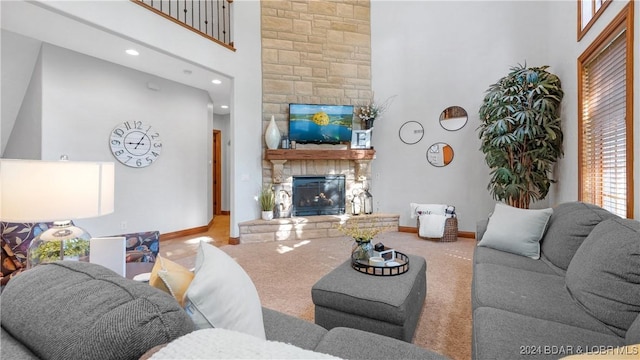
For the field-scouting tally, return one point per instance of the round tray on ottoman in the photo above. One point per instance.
(398, 266)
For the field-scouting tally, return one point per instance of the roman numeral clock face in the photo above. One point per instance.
(135, 144)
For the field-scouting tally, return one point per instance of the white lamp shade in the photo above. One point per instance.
(34, 190)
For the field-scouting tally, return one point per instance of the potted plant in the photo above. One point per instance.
(267, 199)
(521, 134)
(362, 231)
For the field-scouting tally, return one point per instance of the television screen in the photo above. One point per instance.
(320, 124)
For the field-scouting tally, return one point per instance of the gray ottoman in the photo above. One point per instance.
(387, 305)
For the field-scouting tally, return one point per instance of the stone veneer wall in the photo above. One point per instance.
(314, 51)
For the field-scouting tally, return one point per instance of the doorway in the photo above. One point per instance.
(216, 167)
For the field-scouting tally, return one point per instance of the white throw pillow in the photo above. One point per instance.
(226, 344)
(221, 294)
(516, 230)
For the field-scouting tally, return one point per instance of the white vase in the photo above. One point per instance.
(272, 134)
(267, 215)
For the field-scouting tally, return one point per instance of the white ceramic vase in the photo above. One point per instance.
(272, 134)
(267, 215)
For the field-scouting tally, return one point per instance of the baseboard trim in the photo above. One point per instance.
(234, 241)
(413, 229)
(408, 229)
(225, 212)
(186, 232)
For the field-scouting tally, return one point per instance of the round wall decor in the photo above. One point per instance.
(411, 132)
(135, 144)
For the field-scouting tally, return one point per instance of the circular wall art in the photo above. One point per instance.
(135, 144)
(440, 154)
(453, 118)
(411, 132)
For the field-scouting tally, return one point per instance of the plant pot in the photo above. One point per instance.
(267, 215)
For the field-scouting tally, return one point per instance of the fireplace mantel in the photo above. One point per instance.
(278, 157)
(320, 154)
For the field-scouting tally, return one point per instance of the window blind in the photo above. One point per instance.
(604, 132)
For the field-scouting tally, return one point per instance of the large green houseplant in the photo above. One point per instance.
(521, 134)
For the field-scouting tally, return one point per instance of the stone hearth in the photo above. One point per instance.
(308, 227)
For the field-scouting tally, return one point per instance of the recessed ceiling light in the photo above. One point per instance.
(216, 81)
(224, 106)
(132, 52)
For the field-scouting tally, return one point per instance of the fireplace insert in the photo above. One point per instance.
(318, 195)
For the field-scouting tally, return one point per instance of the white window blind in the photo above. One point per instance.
(604, 132)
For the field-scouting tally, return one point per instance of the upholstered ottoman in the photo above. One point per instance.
(387, 305)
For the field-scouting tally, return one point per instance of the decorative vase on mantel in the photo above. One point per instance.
(362, 250)
(272, 134)
(368, 124)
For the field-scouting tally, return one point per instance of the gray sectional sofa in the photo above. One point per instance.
(75, 310)
(583, 294)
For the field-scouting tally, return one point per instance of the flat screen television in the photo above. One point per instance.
(320, 124)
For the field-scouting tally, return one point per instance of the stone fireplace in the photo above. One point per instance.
(318, 195)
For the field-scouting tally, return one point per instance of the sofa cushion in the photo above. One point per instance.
(78, 310)
(357, 344)
(485, 255)
(516, 230)
(286, 328)
(604, 275)
(569, 225)
(500, 334)
(222, 294)
(13, 349)
(633, 334)
(533, 294)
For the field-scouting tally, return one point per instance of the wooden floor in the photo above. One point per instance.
(183, 249)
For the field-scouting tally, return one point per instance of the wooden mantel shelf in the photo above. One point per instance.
(319, 154)
(362, 158)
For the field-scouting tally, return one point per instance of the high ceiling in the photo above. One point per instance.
(37, 22)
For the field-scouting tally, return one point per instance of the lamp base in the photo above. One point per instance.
(63, 241)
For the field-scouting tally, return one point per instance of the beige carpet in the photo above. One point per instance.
(285, 271)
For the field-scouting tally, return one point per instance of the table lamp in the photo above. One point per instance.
(58, 191)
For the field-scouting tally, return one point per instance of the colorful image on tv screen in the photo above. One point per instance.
(314, 123)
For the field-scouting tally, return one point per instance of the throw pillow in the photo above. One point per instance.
(222, 295)
(171, 277)
(603, 275)
(515, 230)
(569, 225)
(228, 344)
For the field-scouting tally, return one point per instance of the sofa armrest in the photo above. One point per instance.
(481, 228)
(292, 330)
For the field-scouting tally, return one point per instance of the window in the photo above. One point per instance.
(605, 107)
(588, 12)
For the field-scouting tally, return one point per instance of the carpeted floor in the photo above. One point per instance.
(285, 271)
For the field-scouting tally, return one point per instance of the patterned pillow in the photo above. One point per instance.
(11, 266)
(142, 246)
(18, 237)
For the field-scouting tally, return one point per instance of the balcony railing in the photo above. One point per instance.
(209, 18)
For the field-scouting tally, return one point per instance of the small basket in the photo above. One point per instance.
(450, 230)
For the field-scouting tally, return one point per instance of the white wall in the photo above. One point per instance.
(244, 66)
(25, 141)
(84, 98)
(443, 53)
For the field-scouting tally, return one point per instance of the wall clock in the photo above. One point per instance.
(135, 144)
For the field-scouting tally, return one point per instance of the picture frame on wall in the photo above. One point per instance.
(361, 139)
